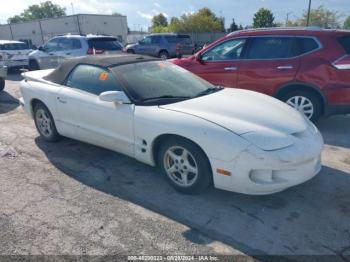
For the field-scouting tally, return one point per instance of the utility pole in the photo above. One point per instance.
(287, 18)
(73, 13)
(308, 14)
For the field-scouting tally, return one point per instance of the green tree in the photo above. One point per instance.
(320, 17)
(159, 20)
(43, 10)
(204, 20)
(233, 27)
(347, 23)
(263, 18)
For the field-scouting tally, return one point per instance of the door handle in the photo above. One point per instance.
(62, 100)
(232, 68)
(286, 67)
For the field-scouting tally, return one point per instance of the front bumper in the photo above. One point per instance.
(3, 72)
(258, 172)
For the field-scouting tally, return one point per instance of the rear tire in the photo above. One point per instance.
(185, 165)
(2, 84)
(130, 51)
(33, 65)
(45, 123)
(305, 102)
(164, 55)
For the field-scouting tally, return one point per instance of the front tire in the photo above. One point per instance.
(164, 55)
(45, 123)
(33, 65)
(305, 102)
(2, 84)
(185, 165)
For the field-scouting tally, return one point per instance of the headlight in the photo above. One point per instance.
(269, 140)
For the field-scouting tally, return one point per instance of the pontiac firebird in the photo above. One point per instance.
(162, 115)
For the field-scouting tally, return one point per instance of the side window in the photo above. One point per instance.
(52, 45)
(225, 51)
(171, 39)
(156, 39)
(304, 45)
(270, 48)
(147, 40)
(69, 44)
(92, 79)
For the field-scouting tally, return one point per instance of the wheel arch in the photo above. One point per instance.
(301, 86)
(33, 103)
(157, 141)
(163, 50)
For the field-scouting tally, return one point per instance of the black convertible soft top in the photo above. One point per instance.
(60, 74)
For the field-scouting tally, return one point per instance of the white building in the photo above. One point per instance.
(39, 31)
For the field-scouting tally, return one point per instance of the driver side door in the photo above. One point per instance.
(220, 64)
(83, 116)
(49, 58)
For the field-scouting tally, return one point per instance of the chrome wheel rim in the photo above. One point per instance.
(164, 57)
(180, 166)
(43, 122)
(302, 104)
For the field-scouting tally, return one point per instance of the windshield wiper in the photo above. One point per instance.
(209, 91)
(164, 97)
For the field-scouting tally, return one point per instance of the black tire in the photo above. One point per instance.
(163, 55)
(315, 101)
(53, 135)
(2, 84)
(130, 51)
(33, 65)
(204, 174)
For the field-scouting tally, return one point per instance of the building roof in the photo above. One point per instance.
(60, 74)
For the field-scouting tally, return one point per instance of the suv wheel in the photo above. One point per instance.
(164, 55)
(185, 165)
(305, 102)
(2, 84)
(33, 65)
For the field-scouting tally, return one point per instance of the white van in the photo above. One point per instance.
(15, 53)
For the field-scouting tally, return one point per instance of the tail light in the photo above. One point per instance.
(178, 46)
(343, 63)
(94, 51)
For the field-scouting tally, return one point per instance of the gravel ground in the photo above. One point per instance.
(73, 198)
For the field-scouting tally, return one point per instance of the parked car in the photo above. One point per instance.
(163, 45)
(306, 68)
(3, 74)
(57, 49)
(164, 115)
(14, 53)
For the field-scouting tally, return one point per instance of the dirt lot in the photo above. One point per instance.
(73, 198)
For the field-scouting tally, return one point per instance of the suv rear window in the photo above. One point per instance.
(344, 41)
(304, 45)
(183, 39)
(270, 48)
(104, 43)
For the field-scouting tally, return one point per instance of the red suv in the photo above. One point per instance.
(308, 69)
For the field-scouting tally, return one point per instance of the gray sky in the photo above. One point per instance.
(140, 12)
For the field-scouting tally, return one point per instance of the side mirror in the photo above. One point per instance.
(199, 58)
(115, 97)
(42, 48)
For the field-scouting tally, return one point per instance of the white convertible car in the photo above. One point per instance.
(161, 114)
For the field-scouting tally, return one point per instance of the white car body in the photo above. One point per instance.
(14, 55)
(265, 145)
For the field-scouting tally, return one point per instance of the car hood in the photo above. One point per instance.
(132, 45)
(243, 111)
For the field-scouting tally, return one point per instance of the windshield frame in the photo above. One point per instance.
(158, 100)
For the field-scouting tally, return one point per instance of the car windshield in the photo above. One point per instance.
(160, 80)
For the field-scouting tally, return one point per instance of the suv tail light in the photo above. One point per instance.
(93, 51)
(178, 46)
(343, 63)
